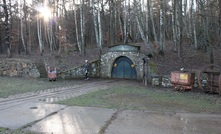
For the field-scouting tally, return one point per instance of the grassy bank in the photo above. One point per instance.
(143, 98)
(15, 85)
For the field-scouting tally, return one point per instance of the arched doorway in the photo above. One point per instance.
(123, 67)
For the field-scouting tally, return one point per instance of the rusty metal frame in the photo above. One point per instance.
(219, 91)
(203, 70)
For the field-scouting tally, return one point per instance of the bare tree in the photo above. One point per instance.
(161, 27)
(23, 27)
(7, 30)
(177, 22)
(82, 26)
(219, 23)
(180, 27)
(113, 21)
(39, 28)
(150, 11)
(174, 24)
(139, 20)
(1, 48)
(79, 44)
(126, 20)
(193, 24)
(97, 24)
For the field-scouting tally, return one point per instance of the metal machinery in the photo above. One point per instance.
(52, 74)
(209, 79)
(182, 80)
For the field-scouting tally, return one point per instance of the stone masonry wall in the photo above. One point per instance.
(108, 59)
(18, 67)
(78, 72)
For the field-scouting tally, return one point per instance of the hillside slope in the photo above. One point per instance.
(191, 60)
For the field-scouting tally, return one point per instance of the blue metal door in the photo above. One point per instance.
(124, 68)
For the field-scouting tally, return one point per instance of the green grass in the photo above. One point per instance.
(16, 131)
(15, 85)
(118, 97)
(149, 99)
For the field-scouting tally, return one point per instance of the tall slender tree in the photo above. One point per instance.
(7, 30)
(97, 25)
(219, 23)
(79, 44)
(23, 24)
(39, 30)
(174, 24)
(150, 11)
(180, 27)
(140, 24)
(82, 25)
(161, 27)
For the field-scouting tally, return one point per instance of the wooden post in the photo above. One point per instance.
(145, 70)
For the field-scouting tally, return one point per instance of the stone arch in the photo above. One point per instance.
(123, 67)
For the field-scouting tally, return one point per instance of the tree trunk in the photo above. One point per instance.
(95, 23)
(110, 29)
(185, 20)
(82, 25)
(1, 48)
(152, 20)
(100, 29)
(115, 22)
(125, 24)
(76, 27)
(141, 29)
(39, 35)
(97, 26)
(220, 23)
(161, 27)
(211, 57)
(174, 25)
(180, 28)
(22, 36)
(193, 23)
(26, 27)
(7, 32)
(112, 24)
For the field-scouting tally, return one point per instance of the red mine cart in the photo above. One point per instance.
(182, 80)
(52, 74)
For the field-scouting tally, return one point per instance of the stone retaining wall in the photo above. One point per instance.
(18, 67)
(160, 80)
(78, 72)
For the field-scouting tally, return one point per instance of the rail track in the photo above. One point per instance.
(55, 94)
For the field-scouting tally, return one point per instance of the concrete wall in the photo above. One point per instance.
(18, 67)
(108, 59)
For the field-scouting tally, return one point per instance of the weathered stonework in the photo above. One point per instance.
(160, 80)
(108, 59)
(78, 72)
(18, 67)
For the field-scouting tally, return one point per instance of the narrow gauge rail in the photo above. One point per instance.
(72, 91)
